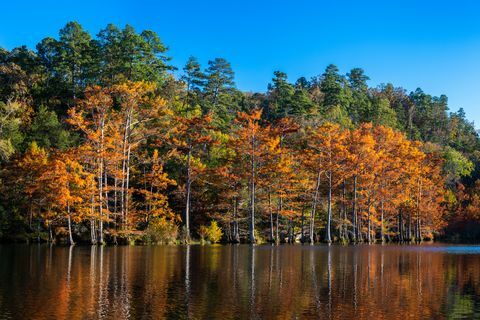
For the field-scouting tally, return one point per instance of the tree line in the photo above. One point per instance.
(103, 140)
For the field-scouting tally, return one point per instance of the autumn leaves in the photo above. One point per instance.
(366, 184)
(278, 182)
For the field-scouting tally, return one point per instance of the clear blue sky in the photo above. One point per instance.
(434, 45)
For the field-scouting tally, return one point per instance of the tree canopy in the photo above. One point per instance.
(102, 138)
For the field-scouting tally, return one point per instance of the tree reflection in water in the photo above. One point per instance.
(239, 282)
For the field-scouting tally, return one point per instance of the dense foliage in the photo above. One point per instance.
(100, 141)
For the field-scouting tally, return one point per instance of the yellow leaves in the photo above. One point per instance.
(212, 232)
(134, 90)
(34, 157)
(273, 144)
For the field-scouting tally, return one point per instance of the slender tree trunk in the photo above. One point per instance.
(359, 225)
(115, 187)
(314, 208)
(354, 211)
(302, 232)
(369, 222)
(382, 224)
(409, 227)
(187, 201)
(252, 193)
(125, 147)
(291, 234)
(236, 236)
(418, 228)
(127, 186)
(279, 211)
(400, 225)
(93, 231)
(272, 237)
(122, 186)
(329, 208)
(344, 211)
(100, 202)
(70, 237)
(105, 183)
(147, 196)
(100, 179)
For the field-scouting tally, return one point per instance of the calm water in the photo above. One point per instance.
(240, 282)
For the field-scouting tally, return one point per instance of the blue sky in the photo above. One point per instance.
(434, 45)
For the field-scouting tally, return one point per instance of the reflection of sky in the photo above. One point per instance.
(454, 249)
(429, 44)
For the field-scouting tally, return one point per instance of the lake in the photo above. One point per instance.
(240, 282)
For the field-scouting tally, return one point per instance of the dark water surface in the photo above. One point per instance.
(240, 282)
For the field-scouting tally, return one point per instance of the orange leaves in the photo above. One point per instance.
(52, 183)
(251, 119)
(189, 139)
(190, 132)
(273, 169)
(326, 151)
(154, 198)
(139, 101)
(389, 171)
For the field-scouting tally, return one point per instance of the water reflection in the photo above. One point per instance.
(239, 282)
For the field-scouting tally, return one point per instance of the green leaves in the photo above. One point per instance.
(10, 135)
(456, 165)
(47, 131)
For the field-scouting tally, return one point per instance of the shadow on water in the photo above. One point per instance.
(240, 282)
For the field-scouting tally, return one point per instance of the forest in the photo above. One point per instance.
(103, 140)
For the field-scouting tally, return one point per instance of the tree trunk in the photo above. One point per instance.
(187, 201)
(277, 228)
(252, 193)
(369, 222)
(236, 235)
(314, 208)
(291, 234)
(272, 237)
(329, 208)
(100, 180)
(418, 225)
(105, 183)
(100, 202)
(354, 211)
(344, 211)
(70, 237)
(382, 226)
(127, 186)
(125, 147)
(93, 236)
(409, 226)
(50, 236)
(302, 232)
(115, 186)
(400, 225)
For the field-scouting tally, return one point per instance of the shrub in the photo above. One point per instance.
(213, 233)
(161, 230)
(203, 233)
